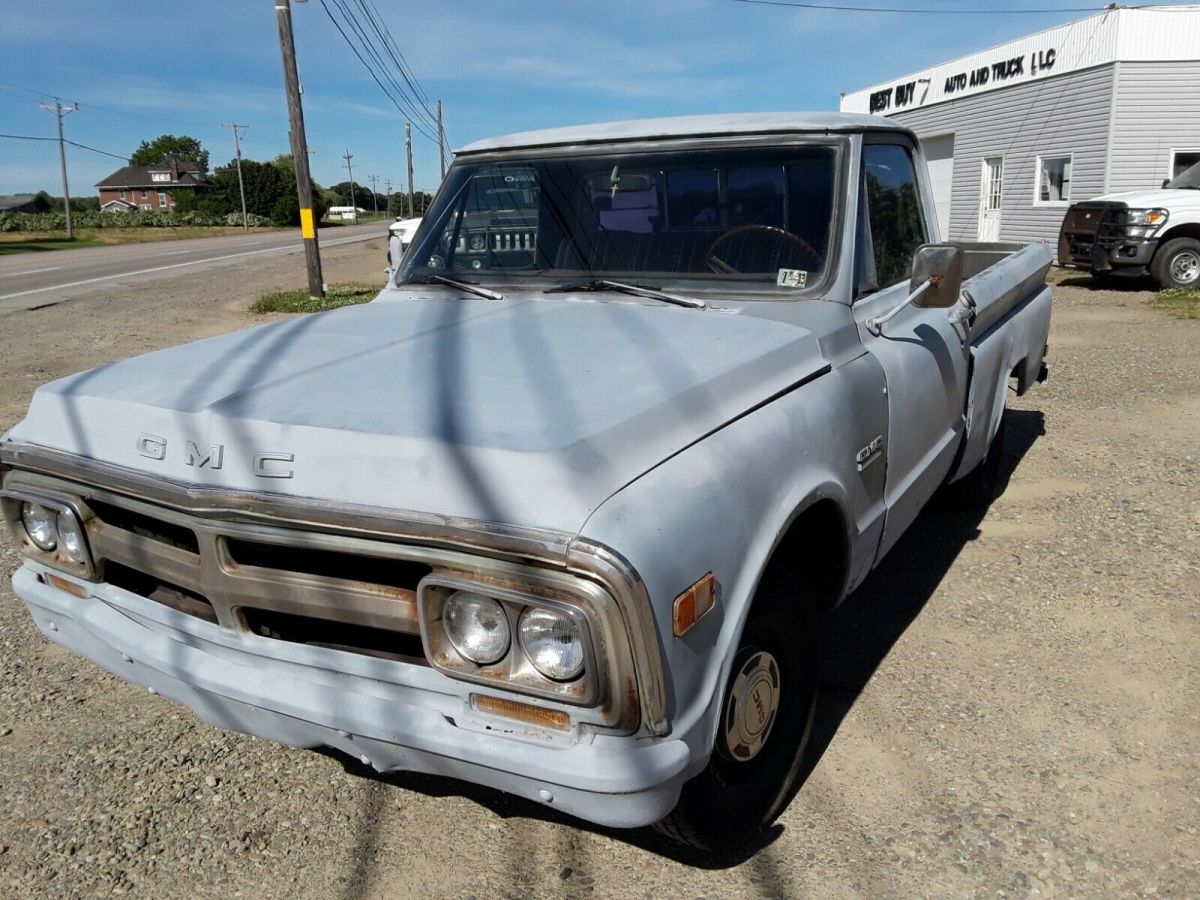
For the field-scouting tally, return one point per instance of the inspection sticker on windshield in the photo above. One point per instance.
(792, 278)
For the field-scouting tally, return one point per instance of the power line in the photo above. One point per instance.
(413, 107)
(927, 10)
(27, 137)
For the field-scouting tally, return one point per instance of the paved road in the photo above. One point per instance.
(34, 280)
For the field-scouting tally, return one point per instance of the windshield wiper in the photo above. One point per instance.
(469, 286)
(638, 290)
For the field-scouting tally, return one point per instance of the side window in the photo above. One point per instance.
(897, 225)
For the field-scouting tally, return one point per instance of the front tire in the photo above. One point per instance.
(767, 710)
(1177, 264)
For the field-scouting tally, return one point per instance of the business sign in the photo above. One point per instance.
(916, 92)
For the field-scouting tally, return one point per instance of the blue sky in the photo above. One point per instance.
(139, 69)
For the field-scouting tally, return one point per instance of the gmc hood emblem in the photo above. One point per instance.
(268, 464)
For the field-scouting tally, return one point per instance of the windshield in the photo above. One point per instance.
(758, 218)
(1188, 178)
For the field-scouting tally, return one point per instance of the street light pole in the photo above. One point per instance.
(291, 82)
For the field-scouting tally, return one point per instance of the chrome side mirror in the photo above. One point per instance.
(941, 267)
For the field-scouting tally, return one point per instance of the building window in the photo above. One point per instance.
(1053, 185)
(1182, 160)
(894, 207)
(122, 195)
(160, 176)
(145, 206)
(162, 200)
(145, 195)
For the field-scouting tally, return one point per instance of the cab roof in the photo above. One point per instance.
(688, 126)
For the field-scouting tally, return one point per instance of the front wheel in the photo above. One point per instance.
(767, 712)
(1177, 264)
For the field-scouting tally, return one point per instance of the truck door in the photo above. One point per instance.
(923, 354)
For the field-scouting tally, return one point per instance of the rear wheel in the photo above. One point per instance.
(1177, 264)
(766, 717)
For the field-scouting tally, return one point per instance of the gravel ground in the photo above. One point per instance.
(1010, 704)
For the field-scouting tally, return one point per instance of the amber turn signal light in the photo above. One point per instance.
(522, 712)
(694, 604)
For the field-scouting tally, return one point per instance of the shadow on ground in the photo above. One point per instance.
(859, 635)
(1107, 282)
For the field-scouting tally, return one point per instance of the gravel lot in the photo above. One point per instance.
(1011, 704)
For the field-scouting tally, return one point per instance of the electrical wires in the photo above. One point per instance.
(363, 29)
(27, 137)
(943, 11)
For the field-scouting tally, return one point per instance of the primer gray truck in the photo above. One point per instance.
(558, 511)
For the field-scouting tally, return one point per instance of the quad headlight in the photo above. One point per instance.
(477, 626)
(49, 529)
(512, 635)
(553, 641)
(70, 538)
(40, 525)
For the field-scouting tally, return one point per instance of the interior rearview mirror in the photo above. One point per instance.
(942, 266)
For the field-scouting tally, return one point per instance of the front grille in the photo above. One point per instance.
(287, 584)
(378, 642)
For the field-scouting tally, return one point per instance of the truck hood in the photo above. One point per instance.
(1175, 199)
(526, 412)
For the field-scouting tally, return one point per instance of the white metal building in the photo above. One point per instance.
(1015, 133)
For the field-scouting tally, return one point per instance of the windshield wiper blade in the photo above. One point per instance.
(469, 286)
(638, 290)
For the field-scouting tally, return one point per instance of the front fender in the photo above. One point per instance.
(722, 506)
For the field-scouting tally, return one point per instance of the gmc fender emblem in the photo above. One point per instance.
(269, 464)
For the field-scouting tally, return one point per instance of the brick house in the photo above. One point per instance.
(150, 187)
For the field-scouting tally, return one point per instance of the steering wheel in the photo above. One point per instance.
(716, 264)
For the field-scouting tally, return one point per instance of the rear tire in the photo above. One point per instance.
(767, 710)
(1177, 264)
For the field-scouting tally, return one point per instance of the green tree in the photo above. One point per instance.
(180, 146)
(399, 203)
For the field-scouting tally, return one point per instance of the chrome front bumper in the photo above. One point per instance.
(391, 717)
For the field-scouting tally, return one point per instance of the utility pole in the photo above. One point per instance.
(353, 203)
(59, 111)
(441, 141)
(291, 82)
(237, 154)
(374, 193)
(408, 151)
(388, 203)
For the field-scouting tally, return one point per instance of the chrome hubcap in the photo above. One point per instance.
(1185, 267)
(750, 707)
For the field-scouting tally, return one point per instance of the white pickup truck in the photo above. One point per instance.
(1138, 233)
(559, 510)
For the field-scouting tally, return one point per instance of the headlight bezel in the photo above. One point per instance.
(514, 672)
(64, 508)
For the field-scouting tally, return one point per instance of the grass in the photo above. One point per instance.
(1179, 302)
(37, 241)
(348, 294)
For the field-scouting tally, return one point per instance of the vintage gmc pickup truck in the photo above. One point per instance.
(557, 512)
